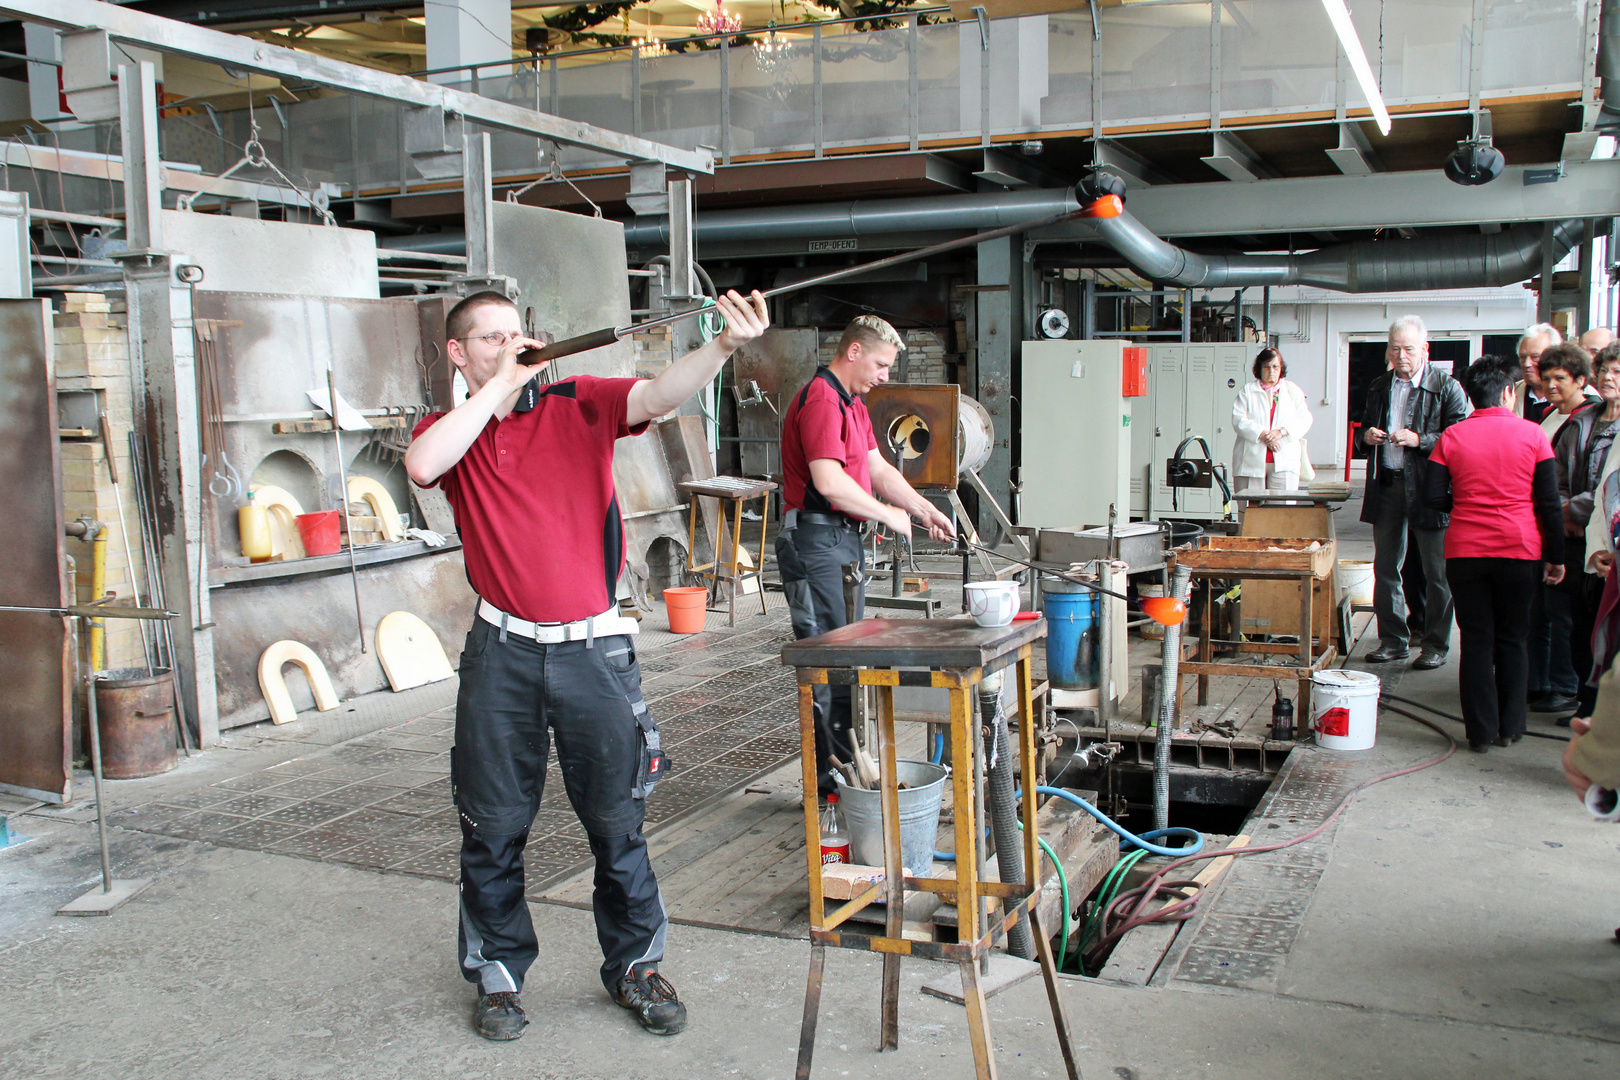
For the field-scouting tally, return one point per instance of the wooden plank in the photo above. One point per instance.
(313, 427)
(742, 860)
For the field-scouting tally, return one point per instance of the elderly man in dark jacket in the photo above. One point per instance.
(1407, 409)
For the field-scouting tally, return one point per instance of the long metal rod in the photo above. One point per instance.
(123, 529)
(95, 766)
(1107, 206)
(348, 522)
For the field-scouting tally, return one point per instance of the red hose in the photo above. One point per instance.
(1130, 908)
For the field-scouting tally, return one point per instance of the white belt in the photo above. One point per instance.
(607, 624)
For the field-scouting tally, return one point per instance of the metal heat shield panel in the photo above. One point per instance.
(382, 360)
(916, 429)
(35, 662)
(571, 271)
(779, 362)
(241, 254)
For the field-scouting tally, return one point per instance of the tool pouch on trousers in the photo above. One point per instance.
(654, 763)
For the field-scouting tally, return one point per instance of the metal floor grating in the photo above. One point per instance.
(376, 794)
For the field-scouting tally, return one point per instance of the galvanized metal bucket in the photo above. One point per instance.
(862, 814)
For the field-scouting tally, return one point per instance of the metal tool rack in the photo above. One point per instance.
(955, 655)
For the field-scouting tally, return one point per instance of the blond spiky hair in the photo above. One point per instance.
(869, 330)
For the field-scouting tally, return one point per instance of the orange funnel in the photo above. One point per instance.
(1164, 610)
(1106, 207)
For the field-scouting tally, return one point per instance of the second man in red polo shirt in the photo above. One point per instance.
(832, 475)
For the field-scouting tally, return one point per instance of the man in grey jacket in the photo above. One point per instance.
(1407, 409)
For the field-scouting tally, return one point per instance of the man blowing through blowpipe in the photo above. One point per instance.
(548, 655)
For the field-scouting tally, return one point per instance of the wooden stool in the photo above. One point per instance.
(736, 490)
(957, 655)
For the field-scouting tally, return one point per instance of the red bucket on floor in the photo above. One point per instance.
(687, 608)
(319, 532)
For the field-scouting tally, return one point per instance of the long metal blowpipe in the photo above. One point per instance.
(1109, 206)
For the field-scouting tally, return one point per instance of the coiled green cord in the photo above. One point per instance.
(710, 322)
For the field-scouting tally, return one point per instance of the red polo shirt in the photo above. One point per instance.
(824, 421)
(1492, 458)
(535, 505)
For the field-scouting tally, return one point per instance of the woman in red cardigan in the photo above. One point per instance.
(1494, 473)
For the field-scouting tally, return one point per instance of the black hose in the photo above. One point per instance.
(1460, 720)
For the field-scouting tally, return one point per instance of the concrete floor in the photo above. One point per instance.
(1463, 927)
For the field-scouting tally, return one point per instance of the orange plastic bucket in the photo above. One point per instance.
(687, 608)
(319, 532)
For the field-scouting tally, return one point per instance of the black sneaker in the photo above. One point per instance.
(649, 995)
(499, 1016)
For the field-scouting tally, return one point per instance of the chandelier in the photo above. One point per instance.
(650, 48)
(771, 50)
(720, 23)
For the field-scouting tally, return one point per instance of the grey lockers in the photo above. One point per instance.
(1190, 392)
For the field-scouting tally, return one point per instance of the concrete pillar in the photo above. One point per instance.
(999, 338)
(468, 32)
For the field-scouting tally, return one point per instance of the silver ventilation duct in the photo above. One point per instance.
(1438, 262)
(1435, 262)
(873, 217)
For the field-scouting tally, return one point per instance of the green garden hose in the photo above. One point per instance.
(1105, 895)
(1063, 887)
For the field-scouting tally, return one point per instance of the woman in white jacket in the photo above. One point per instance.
(1271, 418)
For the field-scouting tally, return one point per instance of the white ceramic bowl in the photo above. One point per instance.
(992, 603)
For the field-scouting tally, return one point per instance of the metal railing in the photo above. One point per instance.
(923, 86)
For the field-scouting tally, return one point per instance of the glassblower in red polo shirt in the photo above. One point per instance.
(528, 470)
(830, 469)
(1494, 474)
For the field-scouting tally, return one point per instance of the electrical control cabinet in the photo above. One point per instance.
(1076, 433)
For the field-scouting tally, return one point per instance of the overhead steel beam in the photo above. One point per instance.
(246, 54)
(1137, 170)
(175, 177)
(1589, 189)
(1354, 155)
(1229, 156)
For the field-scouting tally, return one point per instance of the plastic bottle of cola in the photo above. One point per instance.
(834, 842)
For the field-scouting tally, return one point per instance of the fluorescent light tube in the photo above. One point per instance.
(1339, 15)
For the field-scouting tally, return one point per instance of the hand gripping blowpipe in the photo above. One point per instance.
(1108, 206)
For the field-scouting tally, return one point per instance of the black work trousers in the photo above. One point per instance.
(812, 559)
(1492, 599)
(515, 696)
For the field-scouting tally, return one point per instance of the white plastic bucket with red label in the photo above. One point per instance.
(1344, 709)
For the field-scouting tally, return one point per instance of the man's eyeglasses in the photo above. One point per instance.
(496, 338)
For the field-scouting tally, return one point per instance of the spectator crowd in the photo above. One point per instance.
(1501, 482)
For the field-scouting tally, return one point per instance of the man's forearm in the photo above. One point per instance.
(437, 449)
(682, 379)
(893, 487)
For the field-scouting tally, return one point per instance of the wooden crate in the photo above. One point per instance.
(1261, 553)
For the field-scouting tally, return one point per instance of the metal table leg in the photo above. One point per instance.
(812, 1007)
(893, 871)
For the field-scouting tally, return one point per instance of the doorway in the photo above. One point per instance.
(1367, 363)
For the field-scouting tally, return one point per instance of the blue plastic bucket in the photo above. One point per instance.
(1071, 634)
